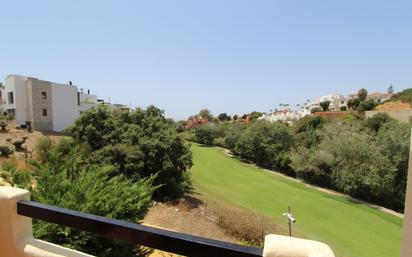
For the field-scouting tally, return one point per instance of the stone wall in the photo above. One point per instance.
(400, 115)
(36, 104)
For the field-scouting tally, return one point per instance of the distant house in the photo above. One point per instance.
(379, 97)
(195, 122)
(336, 101)
(283, 115)
(45, 105)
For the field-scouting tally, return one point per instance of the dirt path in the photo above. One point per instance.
(325, 190)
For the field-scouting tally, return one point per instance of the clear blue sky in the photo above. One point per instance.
(231, 56)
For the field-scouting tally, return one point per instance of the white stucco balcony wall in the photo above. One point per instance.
(16, 237)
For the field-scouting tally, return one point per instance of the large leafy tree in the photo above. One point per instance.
(325, 105)
(138, 144)
(265, 144)
(362, 94)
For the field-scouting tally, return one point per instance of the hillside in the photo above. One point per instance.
(352, 229)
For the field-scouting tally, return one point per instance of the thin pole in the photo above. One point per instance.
(290, 222)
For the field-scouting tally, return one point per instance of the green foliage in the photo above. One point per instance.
(315, 109)
(138, 144)
(377, 121)
(14, 176)
(393, 138)
(180, 126)
(204, 135)
(63, 182)
(223, 117)
(232, 136)
(362, 94)
(5, 151)
(305, 130)
(206, 114)
(353, 103)
(404, 96)
(366, 165)
(265, 144)
(343, 108)
(325, 105)
(366, 105)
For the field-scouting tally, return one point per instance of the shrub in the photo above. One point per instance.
(246, 226)
(377, 121)
(42, 148)
(92, 191)
(343, 108)
(266, 144)
(204, 135)
(315, 109)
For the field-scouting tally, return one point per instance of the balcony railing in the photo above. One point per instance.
(160, 239)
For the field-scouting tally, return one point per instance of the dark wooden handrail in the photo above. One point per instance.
(161, 239)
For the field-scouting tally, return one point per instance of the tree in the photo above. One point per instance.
(343, 108)
(353, 103)
(366, 105)
(390, 89)
(94, 190)
(139, 143)
(325, 105)
(362, 94)
(206, 114)
(235, 117)
(377, 121)
(204, 135)
(265, 144)
(223, 117)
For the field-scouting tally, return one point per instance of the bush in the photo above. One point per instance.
(220, 141)
(204, 135)
(375, 122)
(315, 109)
(42, 148)
(343, 108)
(5, 151)
(246, 226)
(366, 105)
(92, 191)
(266, 144)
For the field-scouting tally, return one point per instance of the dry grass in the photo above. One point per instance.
(247, 226)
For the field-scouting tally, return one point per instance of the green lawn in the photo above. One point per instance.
(351, 229)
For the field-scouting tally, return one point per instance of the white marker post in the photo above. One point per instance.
(290, 218)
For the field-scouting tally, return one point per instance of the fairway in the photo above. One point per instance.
(351, 229)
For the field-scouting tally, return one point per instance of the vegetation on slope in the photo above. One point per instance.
(352, 229)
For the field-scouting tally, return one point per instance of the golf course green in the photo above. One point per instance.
(351, 229)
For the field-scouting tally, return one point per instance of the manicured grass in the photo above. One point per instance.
(351, 229)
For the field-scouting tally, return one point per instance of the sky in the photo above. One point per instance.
(233, 56)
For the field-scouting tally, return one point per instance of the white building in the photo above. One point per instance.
(43, 105)
(336, 101)
(284, 115)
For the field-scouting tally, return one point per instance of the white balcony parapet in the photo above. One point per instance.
(284, 246)
(16, 237)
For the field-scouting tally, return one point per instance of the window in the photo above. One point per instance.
(43, 95)
(44, 112)
(10, 97)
